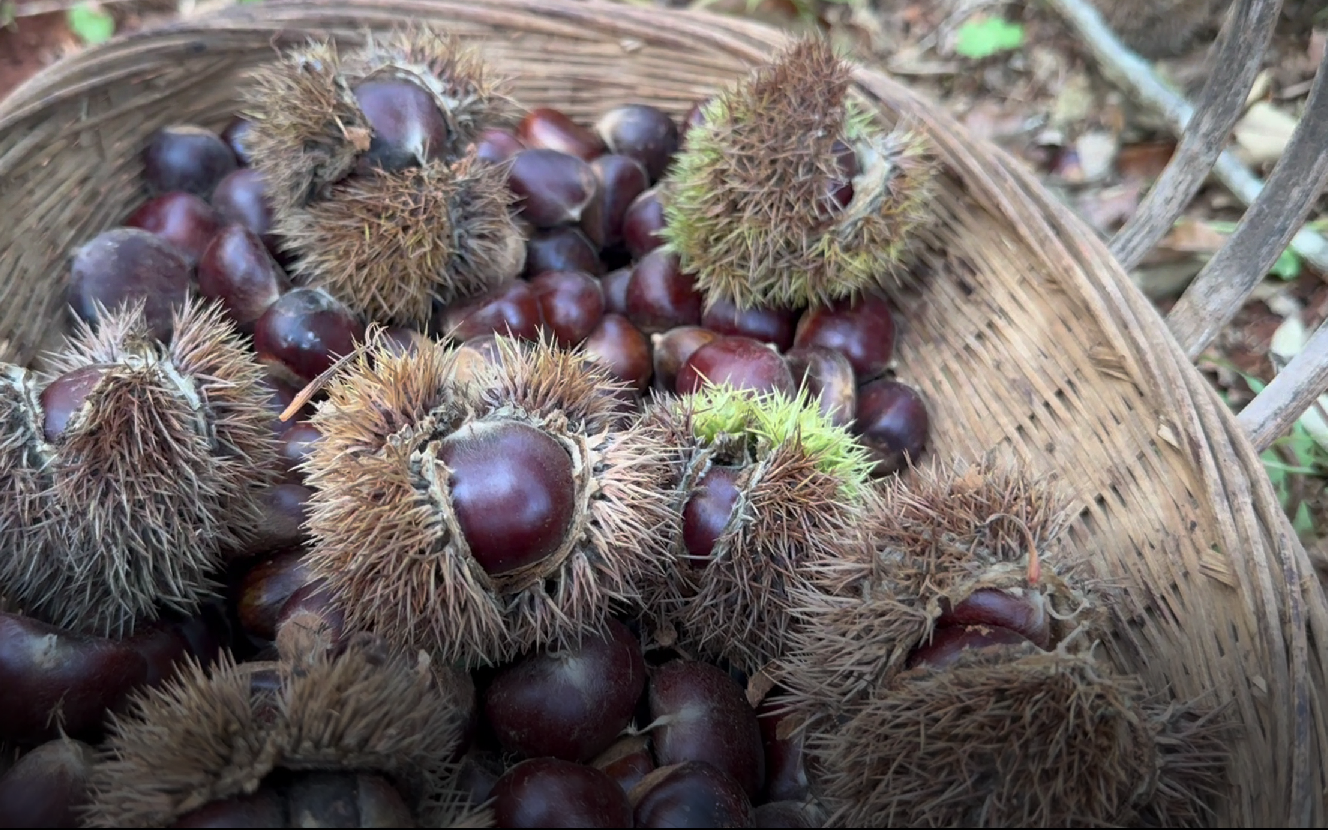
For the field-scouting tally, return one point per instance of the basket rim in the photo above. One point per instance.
(1205, 429)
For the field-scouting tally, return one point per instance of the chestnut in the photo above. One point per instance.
(408, 127)
(512, 492)
(48, 786)
(660, 296)
(642, 132)
(627, 761)
(614, 285)
(788, 814)
(949, 644)
(642, 223)
(621, 180)
(571, 304)
(707, 511)
(561, 249)
(551, 129)
(671, 350)
(52, 680)
(294, 447)
(305, 331)
(553, 188)
(768, 325)
(828, 377)
(691, 794)
(785, 771)
(237, 270)
(313, 600)
(180, 218)
(569, 704)
(549, 792)
(1024, 612)
(740, 362)
(186, 157)
(123, 265)
(265, 589)
(621, 346)
(862, 329)
(63, 396)
(319, 798)
(495, 145)
(242, 197)
(701, 714)
(508, 309)
(892, 422)
(235, 135)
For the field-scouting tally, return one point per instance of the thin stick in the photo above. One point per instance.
(1294, 390)
(1137, 77)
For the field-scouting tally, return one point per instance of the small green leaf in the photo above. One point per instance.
(1287, 266)
(1304, 522)
(985, 36)
(90, 24)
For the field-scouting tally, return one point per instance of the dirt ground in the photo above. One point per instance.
(1048, 103)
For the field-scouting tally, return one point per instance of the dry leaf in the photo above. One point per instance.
(1193, 236)
(1262, 134)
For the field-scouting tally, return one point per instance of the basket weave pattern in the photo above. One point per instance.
(1026, 336)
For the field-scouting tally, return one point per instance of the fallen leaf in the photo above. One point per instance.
(1108, 208)
(1146, 161)
(1097, 152)
(1193, 236)
(1262, 133)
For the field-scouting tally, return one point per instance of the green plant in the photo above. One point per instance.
(90, 23)
(1289, 460)
(982, 37)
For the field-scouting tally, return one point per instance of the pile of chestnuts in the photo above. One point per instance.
(418, 458)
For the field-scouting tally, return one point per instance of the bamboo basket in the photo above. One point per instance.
(1028, 338)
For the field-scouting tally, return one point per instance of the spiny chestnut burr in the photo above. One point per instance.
(948, 537)
(308, 128)
(212, 735)
(123, 266)
(908, 750)
(798, 512)
(549, 792)
(508, 513)
(158, 468)
(892, 421)
(769, 145)
(180, 218)
(641, 132)
(569, 703)
(391, 245)
(463, 89)
(699, 713)
(188, 158)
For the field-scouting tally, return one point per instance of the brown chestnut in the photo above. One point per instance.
(642, 132)
(691, 794)
(48, 786)
(893, 423)
(549, 792)
(180, 218)
(829, 380)
(551, 129)
(237, 270)
(561, 249)
(740, 362)
(186, 157)
(621, 346)
(124, 265)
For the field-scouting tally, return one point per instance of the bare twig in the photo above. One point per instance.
(1276, 408)
(1135, 75)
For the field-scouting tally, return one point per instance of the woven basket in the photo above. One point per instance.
(1028, 338)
